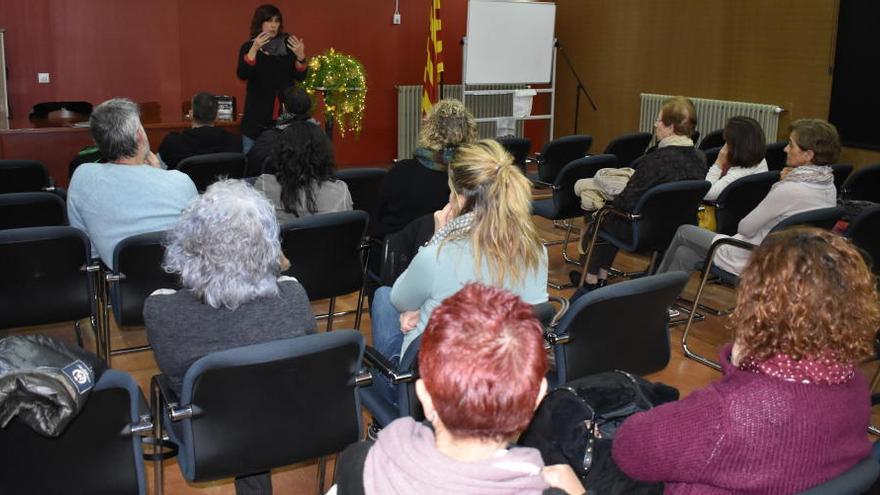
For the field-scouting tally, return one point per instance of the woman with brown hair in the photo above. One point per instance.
(792, 409)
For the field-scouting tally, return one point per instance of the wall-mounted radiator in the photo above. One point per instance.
(409, 111)
(713, 114)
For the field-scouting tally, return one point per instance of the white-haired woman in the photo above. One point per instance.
(227, 251)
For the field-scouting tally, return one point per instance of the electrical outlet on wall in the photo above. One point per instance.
(395, 19)
(43, 77)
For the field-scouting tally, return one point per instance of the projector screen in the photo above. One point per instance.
(509, 42)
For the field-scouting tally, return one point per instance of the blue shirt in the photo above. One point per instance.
(111, 202)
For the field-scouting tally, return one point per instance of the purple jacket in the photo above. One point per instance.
(748, 433)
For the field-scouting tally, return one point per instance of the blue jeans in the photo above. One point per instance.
(246, 144)
(387, 337)
(385, 319)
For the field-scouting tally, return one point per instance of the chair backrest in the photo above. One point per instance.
(566, 203)
(205, 170)
(714, 139)
(44, 276)
(606, 333)
(31, 209)
(864, 184)
(324, 252)
(775, 155)
(22, 176)
(711, 155)
(364, 185)
(664, 208)
(823, 218)
(95, 454)
(856, 481)
(137, 260)
(559, 152)
(841, 172)
(864, 231)
(271, 404)
(519, 148)
(628, 147)
(739, 198)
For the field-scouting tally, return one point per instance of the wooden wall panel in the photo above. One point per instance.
(775, 52)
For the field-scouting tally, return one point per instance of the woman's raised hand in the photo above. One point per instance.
(260, 40)
(297, 46)
(442, 217)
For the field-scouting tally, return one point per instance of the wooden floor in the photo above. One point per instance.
(685, 374)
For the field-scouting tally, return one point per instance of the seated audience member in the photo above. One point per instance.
(673, 159)
(202, 139)
(806, 183)
(742, 154)
(792, 408)
(481, 366)
(303, 183)
(297, 108)
(227, 251)
(129, 194)
(485, 233)
(419, 186)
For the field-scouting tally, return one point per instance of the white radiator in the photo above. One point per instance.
(409, 111)
(713, 114)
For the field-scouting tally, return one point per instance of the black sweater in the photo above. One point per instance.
(409, 191)
(266, 81)
(198, 141)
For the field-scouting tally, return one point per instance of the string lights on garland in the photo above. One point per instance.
(341, 79)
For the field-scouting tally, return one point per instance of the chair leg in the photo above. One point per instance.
(158, 421)
(78, 331)
(586, 258)
(359, 310)
(704, 276)
(330, 314)
(322, 466)
(565, 255)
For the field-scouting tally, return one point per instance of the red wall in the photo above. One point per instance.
(166, 50)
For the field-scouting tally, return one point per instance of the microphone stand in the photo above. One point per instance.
(580, 87)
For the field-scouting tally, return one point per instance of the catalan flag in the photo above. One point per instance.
(434, 62)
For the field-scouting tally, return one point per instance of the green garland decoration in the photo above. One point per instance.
(342, 80)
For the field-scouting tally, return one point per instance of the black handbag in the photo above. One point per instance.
(576, 422)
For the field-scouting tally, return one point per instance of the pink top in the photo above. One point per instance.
(750, 433)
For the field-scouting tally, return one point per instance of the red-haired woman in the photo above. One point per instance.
(476, 405)
(792, 408)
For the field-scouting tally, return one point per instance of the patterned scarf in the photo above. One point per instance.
(434, 160)
(812, 174)
(457, 228)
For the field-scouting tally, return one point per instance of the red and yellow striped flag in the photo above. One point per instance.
(434, 63)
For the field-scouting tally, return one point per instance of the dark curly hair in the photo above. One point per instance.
(805, 292)
(303, 160)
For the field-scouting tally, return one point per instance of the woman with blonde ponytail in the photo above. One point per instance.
(484, 234)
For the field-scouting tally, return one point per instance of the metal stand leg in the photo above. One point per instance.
(322, 466)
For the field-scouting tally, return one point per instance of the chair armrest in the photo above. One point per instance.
(375, 359)
(162, 386)
(554, 338)
(729, 241)
(144, 426)
(563, 308)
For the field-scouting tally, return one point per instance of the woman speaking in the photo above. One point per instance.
(271, 61)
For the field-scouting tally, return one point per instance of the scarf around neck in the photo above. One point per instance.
(811, 174)
(434, 160)
(675, 140)
(456, 228)
(405, 460)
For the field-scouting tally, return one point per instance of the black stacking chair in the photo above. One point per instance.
(841, 172)
(856, 481)
(23, 176)
(654, 220)
(250, 409)
(628, 147)
(863, 184)
(556, 155)
(135, 274)
(711, 155)
(364, 185)
(823, 218)
(47, 277)
(31, 209)
(325, 256)
(739, 198)
(864, 231)
(602, 332)
(205, 170)
(99, 452)
(565, 204)
(775, 155)
(519, 148)
(714, 139)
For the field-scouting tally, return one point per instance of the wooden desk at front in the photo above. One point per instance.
(56, 147)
